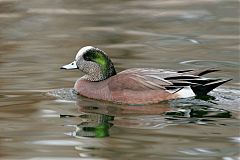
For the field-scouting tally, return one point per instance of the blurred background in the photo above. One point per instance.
(37, 37)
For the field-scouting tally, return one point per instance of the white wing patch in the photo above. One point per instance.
(184, 92)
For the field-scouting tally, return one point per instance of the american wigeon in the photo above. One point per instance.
(136, 85)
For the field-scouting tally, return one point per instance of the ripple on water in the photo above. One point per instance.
(204, 63)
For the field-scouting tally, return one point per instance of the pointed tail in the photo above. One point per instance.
(201, 90)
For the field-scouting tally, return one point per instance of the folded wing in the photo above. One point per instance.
(140, 79)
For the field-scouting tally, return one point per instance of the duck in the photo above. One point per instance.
(136, 85)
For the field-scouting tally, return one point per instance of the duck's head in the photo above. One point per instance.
(94, 62)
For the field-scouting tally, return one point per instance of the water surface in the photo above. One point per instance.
(37, 37)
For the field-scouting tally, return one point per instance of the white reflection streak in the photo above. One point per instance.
(204, 151)
(64, 101)
(57, 143)
(194, 41)
(198, 151)
(160, 125)
(10, 15)
(235, 139)
(229, 158)
(58, 11)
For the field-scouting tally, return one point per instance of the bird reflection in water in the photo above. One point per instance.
(97, 118)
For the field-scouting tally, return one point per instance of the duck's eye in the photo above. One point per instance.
(86, 58)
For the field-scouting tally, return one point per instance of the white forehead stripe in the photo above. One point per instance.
(83, 50)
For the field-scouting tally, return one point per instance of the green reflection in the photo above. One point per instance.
(95, 125)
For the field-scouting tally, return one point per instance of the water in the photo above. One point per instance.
(39, 120)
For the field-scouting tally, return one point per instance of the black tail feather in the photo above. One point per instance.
(206, 71)
(198, 72)
(201, 90)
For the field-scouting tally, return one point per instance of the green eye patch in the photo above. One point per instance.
(98, 57)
